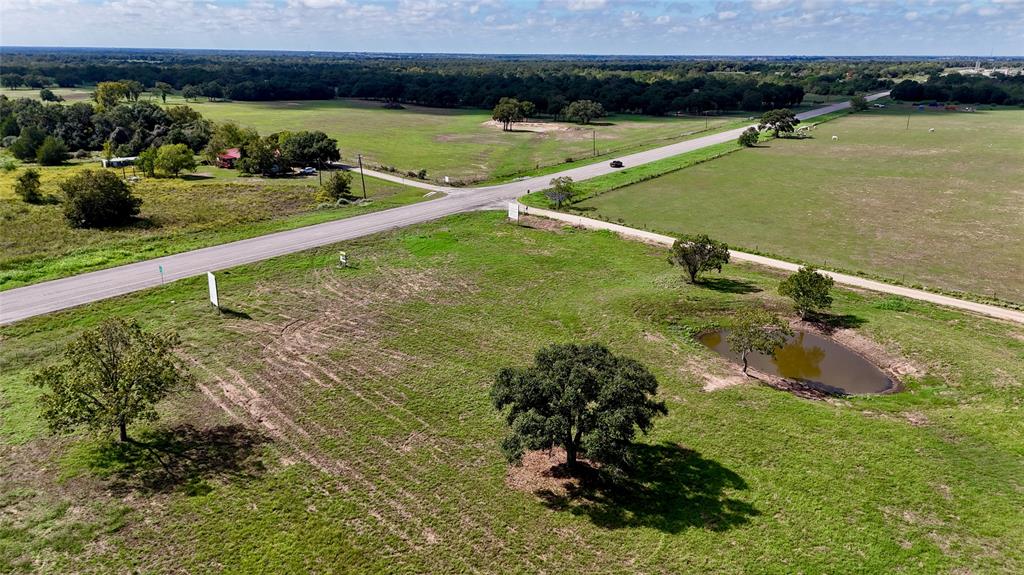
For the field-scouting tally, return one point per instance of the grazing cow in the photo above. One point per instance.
(835, 138)
(930, 130)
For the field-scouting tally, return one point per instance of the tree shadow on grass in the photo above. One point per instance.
(669, 488)
(830, 322)
(729, 285)
(182, 457)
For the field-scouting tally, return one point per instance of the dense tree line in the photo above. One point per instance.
(963, 89)
(620, 84)
(129, 126)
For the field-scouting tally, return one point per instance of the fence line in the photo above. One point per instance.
(843, 279)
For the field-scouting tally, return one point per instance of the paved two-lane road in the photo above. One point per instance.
(33, 300)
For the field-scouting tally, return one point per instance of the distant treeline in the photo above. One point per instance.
(964, 89)
(650, 86)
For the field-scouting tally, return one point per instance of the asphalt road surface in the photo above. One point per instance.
(25, 302)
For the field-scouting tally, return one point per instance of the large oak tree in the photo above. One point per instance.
(582, 398)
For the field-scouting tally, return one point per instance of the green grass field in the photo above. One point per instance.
(446, 142)
(941, 209)
(454, 143)
(210, 207)
(342, 423)
(70, 95)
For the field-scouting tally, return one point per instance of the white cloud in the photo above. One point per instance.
(728, 15)
(770, 5)
(581, 5)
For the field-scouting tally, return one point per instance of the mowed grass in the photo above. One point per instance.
(452, 142)
(941, 209)
(342, 423)
(70, 95)
(210, 207)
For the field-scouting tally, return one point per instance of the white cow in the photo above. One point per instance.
(835, 138)
(930, 130)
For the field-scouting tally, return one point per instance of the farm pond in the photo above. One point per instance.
(812, 360)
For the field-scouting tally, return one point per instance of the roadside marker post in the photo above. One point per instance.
(211, 280)
(161, 275)
(513, 211)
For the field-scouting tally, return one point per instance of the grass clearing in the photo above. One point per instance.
(378, 451)
(454, 142)
(940, 209)
(211, 207)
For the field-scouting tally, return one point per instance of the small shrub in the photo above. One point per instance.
(9, 127)
(52, 152)
(422, 174)
(98, 198)
(894, 303)
(25, 147)
(8, 141)
(27, 186)
(336, 190)
(7, 164)
(172, 159)
(749, 137)
(146, 162)
(47, 95)
(808, 289)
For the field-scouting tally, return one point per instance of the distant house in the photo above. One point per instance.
(119, 162)
(228, 157)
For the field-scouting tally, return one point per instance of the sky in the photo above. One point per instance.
(678, 27)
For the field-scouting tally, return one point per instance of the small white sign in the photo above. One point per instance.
(513, 211)
(446, 180)
(212, 281)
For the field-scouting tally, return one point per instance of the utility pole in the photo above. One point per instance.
(361, 178)
(908, 120)
(320, 171)
(593, 133)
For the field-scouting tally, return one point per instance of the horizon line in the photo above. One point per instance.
(508, 54)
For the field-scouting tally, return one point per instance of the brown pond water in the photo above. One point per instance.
(813, 360)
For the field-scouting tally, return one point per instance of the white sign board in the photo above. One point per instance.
(210, 279)
(513, 211)
(446, 180)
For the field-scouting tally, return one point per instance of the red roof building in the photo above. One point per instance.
(228, 158)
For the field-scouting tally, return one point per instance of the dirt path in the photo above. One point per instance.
(843, 279)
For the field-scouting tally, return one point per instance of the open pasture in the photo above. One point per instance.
(342, 423)
(939, 208)
(209, 207)
(458, 143)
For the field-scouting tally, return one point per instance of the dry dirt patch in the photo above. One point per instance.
(544, 472)
(539, 127)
